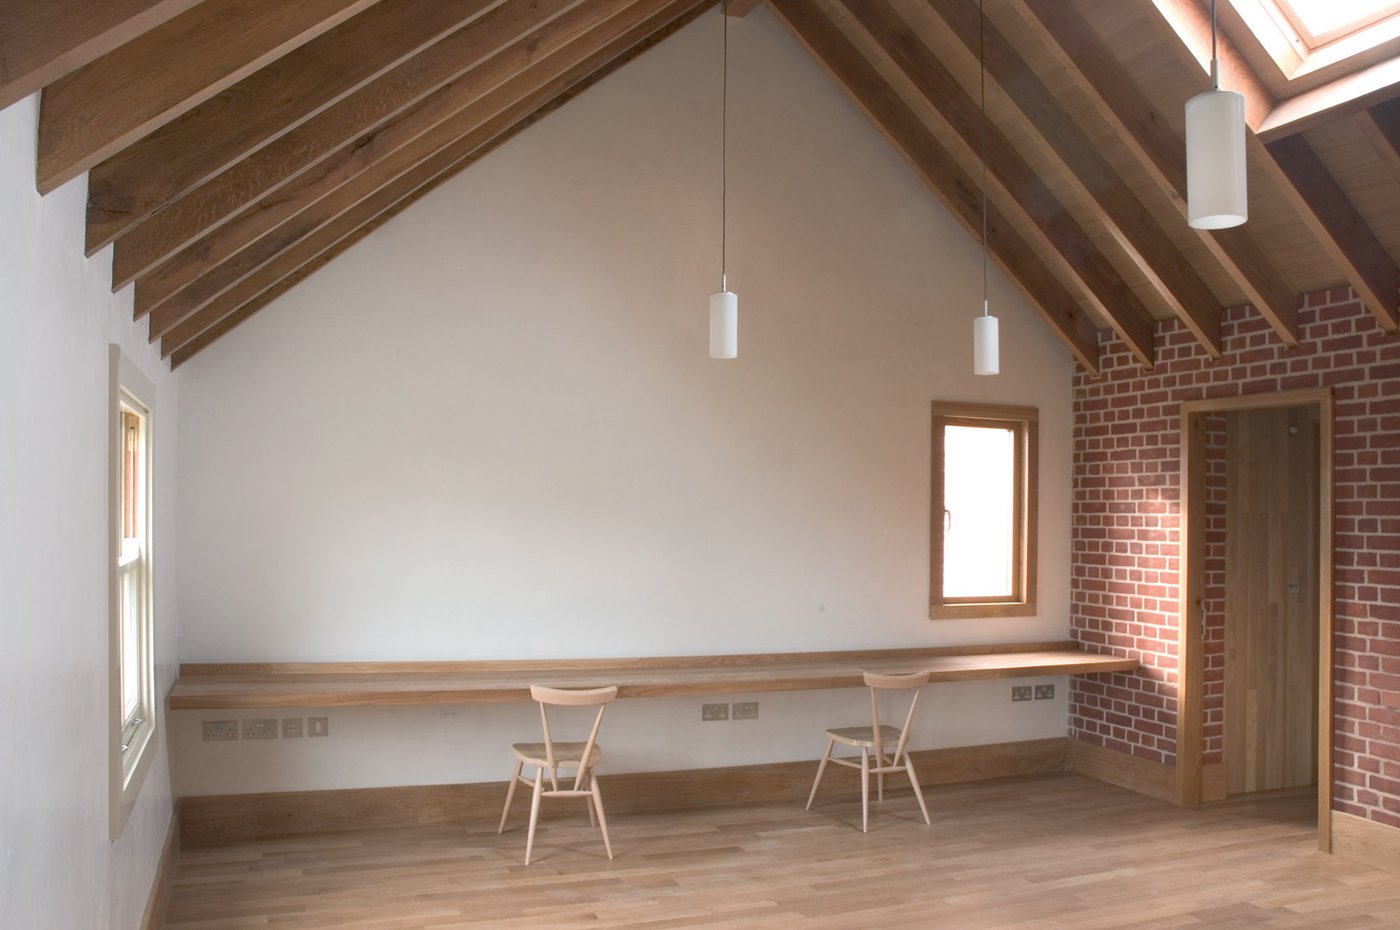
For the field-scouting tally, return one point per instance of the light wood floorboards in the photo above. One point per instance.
(1035, 852)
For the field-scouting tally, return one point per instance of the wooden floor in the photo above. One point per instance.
(1055, 851)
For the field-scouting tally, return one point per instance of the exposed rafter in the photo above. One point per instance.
(1295, 169)
(105, 106)
(1160, 151)
(1024, 195)
(893, 117)
(1080, 162)
(606, 49)
(41, 42)
(1381, 126)
(144, 177)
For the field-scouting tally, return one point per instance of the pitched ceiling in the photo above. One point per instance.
(236, 146)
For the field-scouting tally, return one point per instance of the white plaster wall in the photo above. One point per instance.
(57, 316)
(492, 429)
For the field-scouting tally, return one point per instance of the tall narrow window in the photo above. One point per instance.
(982, 532)
(133, 723)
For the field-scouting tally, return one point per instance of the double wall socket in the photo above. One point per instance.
(260, 728)
(714, 712)
(746, 710)
(217, 730)
(1020, 692)
(1044, 692)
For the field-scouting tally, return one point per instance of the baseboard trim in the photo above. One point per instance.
(158, 900)
(1118, 768)
(215, 820)
(1366, 841)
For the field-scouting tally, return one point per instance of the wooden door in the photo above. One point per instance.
(1271, 598)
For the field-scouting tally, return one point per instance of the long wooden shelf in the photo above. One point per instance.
(209, 686)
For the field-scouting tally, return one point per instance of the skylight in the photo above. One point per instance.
(1321, 21)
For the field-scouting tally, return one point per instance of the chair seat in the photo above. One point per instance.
(565, 754)
(865, 736)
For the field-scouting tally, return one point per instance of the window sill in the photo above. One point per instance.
(980, 611)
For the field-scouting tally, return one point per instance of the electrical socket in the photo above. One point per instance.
(318, 726)
(260, 728)
(1044, 692)
(1020, 692)
(746, 710)
(215, 730)
(714, 712)
(291, 727)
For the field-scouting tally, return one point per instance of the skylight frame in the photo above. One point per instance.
(1299, 54)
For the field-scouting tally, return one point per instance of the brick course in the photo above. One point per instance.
(1124, 586)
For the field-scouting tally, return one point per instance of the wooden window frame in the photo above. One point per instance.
(1025, 422)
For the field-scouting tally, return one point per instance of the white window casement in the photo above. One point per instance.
(982, 544)
(132, 721)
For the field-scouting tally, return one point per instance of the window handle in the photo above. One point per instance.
(947, 520)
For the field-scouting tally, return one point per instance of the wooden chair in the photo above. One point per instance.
(550, 757)
(874, 739)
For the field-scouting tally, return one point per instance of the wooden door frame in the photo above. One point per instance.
(1191, 668)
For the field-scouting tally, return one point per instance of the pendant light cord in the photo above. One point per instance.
(724, 151)
(982, 66)
(1215, 70)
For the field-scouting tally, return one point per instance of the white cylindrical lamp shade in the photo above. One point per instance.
(986, 348)
(1216, 193)
(724, 324)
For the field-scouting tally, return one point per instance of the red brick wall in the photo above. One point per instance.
(1124, 587)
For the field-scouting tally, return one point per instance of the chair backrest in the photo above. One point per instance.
(878, 682)
(571, 697)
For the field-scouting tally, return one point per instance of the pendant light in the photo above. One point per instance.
(986, 348)
(724, 304)
(1215, 163)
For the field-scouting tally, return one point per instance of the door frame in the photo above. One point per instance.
(1190, 787)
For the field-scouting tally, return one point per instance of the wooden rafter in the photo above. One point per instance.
(151, 173)
(313, 252)
(1295, 169)
(1381, 125)
(106, 105)
(894, 118)
(41, 42)
(396, 106)
(1160, 151)
(1080, 162)
(1351, 94)
(1025, 196)
(321, 196)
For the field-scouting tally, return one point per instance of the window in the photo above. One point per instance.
(982, 539)
(1322, 40)
(132, 646)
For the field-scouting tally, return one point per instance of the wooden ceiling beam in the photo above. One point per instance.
(1290, 163)
(959, 193)
(237, 249)
(1341, 97)
(104, 106)
(1078, 159)
(312, 252)
(41, 42)
(1024, 194)
(242, 118)
(210, 223)
(1160, 151)
(741, 8)
(1381, 126)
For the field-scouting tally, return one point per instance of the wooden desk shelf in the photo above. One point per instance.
(334, 684)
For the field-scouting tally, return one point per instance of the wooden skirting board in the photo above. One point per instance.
(207, 821)
(1117, 768)
(1366, 841)
(210, 686)
(164, 882)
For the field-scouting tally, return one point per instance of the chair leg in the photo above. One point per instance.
(587, 782)
(864, 790)
(602, 818)
(534, 813)
(510, 794)
(820, 769)
(918, 791)
(880, 780)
